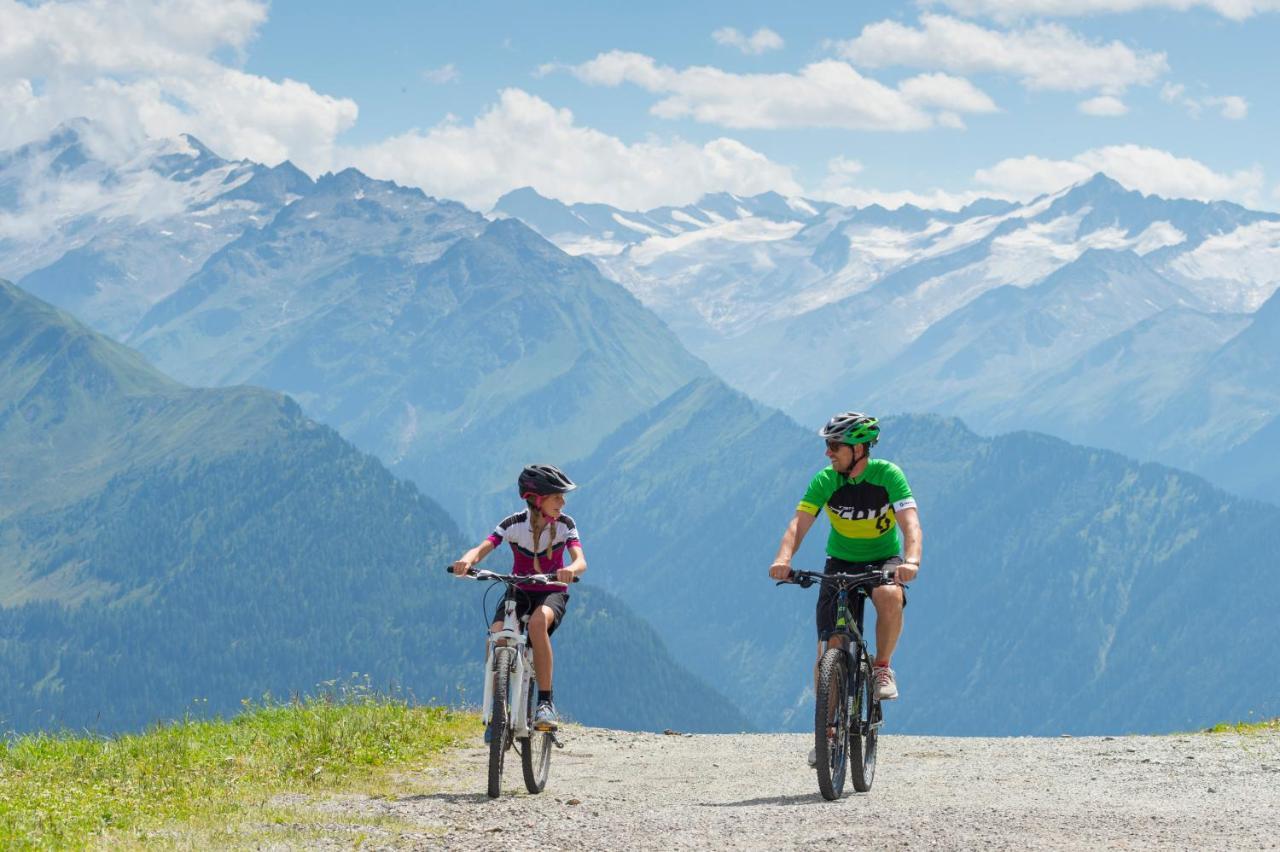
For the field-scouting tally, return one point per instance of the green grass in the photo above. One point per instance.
(1245, 727)
(211, 777)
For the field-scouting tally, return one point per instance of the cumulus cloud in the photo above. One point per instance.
(1012, 10)
(444, 74)
(761, 41)
(152, 69)
(1105, 106)
(523, 140)
(1231, 107)
(1148, 170)
(1043, 56)
(824, 94)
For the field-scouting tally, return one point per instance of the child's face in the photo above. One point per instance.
(553, 505)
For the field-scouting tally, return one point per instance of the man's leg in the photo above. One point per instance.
(889, 602)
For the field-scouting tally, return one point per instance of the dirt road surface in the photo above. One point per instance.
(615, 790)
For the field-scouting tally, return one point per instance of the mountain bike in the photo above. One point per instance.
(847, 713)
(509, 695)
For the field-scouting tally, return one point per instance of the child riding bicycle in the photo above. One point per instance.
(539, 535)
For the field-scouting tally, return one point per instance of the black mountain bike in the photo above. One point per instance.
(509, 694)
(847, 713)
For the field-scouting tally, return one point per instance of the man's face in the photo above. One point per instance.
(841, 455)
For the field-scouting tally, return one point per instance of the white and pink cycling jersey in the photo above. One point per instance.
(516, 531)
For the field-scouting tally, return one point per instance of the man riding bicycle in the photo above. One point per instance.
(867, 500)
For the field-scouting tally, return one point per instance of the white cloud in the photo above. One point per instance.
(523, 140)
(1043, 56)
(1105, 106)
(761, 41)
(151, 68)
(1013, 10)
(444, 74)
(1231, 107)
(824, 94)
(1148, 170)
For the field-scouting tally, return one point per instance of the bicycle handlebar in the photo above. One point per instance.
(481, 574)
(805, 579)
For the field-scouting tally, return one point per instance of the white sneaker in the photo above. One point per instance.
(886, 684)
(813, 758)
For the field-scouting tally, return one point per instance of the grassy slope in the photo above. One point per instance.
(202, 783)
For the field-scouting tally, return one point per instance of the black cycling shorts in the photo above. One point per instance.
(826, 610)
(528, 602)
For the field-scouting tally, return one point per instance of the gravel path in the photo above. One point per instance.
(622, 790)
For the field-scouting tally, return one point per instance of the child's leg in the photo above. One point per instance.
(540, 625)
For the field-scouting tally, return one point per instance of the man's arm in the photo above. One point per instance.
(912, 540)
(791, 539)
(472, 556)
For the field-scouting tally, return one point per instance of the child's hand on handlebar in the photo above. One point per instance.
(564, 575)
(462, 567)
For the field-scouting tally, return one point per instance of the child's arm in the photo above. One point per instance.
(574, 568)
(472, 556)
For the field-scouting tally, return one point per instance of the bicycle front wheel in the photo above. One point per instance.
(500, 721)
(831, 722)
(535, 752)
(865, 724)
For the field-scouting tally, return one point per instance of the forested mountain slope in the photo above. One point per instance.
(168, 549)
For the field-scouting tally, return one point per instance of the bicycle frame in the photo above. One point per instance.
(513, 635)
(850, 625)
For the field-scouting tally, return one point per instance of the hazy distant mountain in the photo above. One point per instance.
(104, 229)
(168, 550)
(424, 333)
(599, 229)
(1000, 313)
(1063, 589)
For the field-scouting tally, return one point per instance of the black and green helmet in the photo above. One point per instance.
(852, 427)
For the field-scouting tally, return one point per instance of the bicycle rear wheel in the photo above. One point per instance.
(535, 752)
(863, 729)
(500, 721)
(831, 722)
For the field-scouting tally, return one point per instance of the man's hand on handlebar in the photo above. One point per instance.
(780, 571)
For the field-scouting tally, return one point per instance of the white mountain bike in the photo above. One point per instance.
(509, 694)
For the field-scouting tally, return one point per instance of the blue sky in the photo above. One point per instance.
(642, 104)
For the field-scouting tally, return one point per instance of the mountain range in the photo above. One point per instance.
(1094, 305)
(1064, 589)
(167, 550)
(455, 349)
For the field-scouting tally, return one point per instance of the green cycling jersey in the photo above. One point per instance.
(862, 510)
